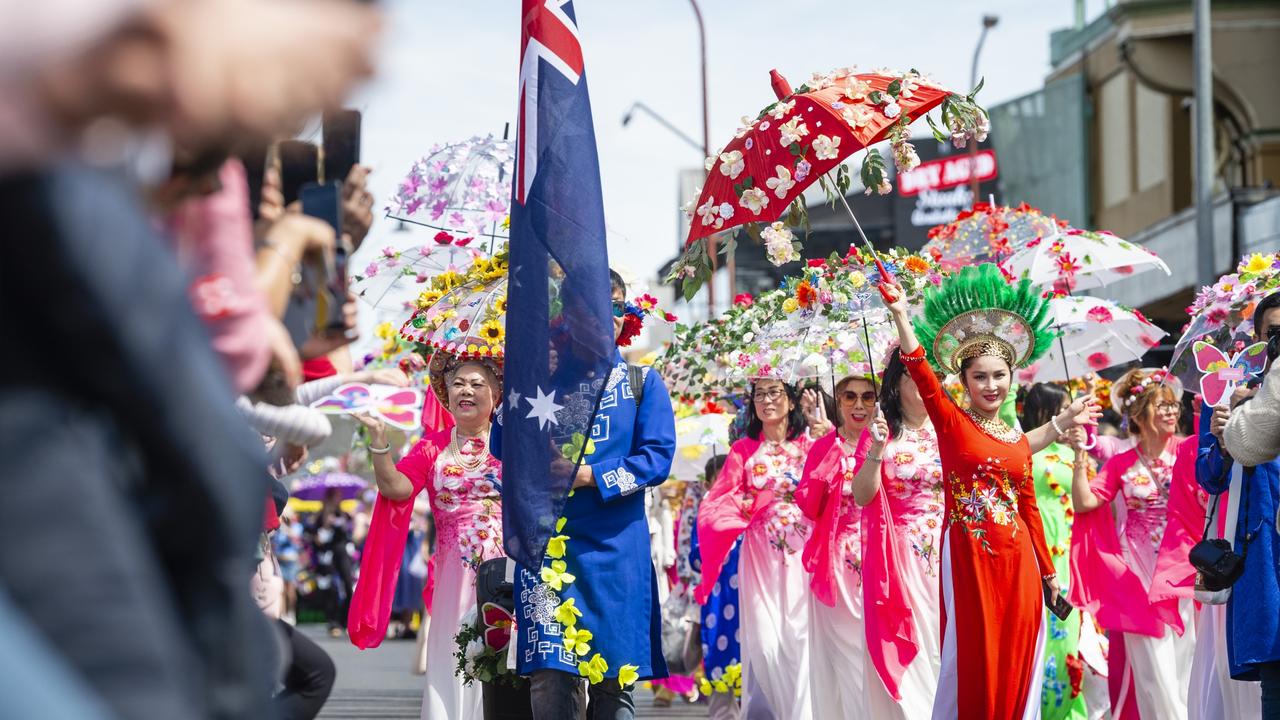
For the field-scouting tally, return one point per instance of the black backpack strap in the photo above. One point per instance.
(635, 375)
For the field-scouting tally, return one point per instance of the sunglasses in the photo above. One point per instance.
(867, 398)
(619, 308)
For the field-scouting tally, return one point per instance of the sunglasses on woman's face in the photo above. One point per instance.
(619, 308)
(867, 398)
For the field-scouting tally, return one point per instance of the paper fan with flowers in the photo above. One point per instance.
(1222, 313)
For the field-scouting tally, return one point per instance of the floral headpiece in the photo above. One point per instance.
(637, 311)
(1151, 379)
(443, 364)
(977, 312)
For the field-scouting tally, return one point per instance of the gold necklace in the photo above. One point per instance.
(994, 427)
(458, 456)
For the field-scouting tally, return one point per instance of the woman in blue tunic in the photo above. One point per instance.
(593, 609)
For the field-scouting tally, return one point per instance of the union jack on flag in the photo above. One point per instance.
(560, 344)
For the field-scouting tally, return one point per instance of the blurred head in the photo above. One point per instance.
(1151, 409)
(855, 403)
(1266, 316)
(473, 389)
(618, 288)
(986, 378)
(712, 469)
(1043, 402)
(773, 403)
(900, 398)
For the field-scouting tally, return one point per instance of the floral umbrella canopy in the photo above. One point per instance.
(806, 134)
(1081, 259)
(1096, 334)
(462, 188)
(829, 321)
(1222, 314)
(987, 233)
(463, 314)
(698, 438)
(395, 279)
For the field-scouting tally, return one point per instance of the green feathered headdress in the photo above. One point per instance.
(977, 312)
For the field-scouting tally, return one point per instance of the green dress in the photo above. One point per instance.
(1053, 468)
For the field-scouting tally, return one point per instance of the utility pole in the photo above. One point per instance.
(1203, 128)
(988, 22)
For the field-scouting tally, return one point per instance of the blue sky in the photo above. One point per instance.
(449, 70)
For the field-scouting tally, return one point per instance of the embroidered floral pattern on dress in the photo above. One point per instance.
(1145, 486)
(987, 497)
(467, 504)
(913, 487)
(777, 467)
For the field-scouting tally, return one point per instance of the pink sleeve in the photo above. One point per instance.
(384, 548)
(721, 517)
(1107, 482)
(214, 235)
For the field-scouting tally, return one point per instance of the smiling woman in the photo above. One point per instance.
(996, 568)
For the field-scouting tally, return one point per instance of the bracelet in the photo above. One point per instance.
(875, 458)
(1054, 422)
(380, 451)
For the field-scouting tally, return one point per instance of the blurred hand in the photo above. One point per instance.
(263, 66)
(301, 234)
(1084, 411)
(584, 478)
(357, 205)
(271, 205)
(283, 354)
(293, 457)
(1075, 438)
(331, 340)
(386, 376)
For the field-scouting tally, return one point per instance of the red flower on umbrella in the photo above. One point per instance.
(1099, 314)
(816, 262)
(444, 238)
(1035, 243)
(1099, 361)
(1067, 265)
(1148, 340)
(743, 300)
(806, 295)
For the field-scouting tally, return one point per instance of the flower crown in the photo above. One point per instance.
(1140, 388)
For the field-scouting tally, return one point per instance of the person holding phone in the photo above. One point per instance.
(1057, 469)
(995, 564)
(902, 494)
(833, 553)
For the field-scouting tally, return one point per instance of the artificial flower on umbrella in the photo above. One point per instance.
(462, 188)
(1094, 334)
(395, 278)
(1074, 259)
(987, 233)
(463, 314)
(1222, 313)
(692, 364)
(634, 314)
(804, 137)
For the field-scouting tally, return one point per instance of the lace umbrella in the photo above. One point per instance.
(461, 188)
(1096, 334)
(1074, 259)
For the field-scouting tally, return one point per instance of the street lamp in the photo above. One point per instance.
(988, 22)
(637, 105)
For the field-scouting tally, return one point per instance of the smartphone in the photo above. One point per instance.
(341, 131)
(299, 165)
(324, 202)
(1062, 608)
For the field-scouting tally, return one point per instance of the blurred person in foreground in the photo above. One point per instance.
(109, 451)
(1239, 453)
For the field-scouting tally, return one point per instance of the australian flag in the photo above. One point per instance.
(560, 343)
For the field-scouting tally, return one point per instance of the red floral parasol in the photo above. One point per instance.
(806, 134)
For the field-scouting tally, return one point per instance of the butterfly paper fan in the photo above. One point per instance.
(399, 407)
(498, 624)
(1223, 374)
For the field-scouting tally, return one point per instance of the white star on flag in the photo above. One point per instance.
(544, 408)
(513, 400)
